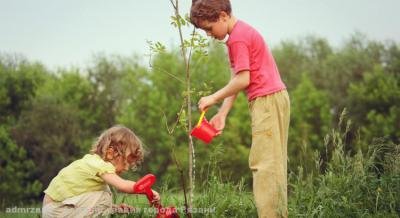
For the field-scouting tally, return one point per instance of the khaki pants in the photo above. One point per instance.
(268, 155)
(91, 204)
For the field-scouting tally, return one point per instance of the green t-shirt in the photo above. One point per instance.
(79, 177)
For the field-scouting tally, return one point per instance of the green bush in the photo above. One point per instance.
(16, 183)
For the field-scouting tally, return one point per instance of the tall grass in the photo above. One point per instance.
(347, 184)
(360, 185)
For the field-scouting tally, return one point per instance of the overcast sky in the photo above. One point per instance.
(61, 33)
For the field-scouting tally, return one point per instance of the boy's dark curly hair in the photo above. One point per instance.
(208, 10)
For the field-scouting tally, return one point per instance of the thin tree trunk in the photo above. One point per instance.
(187, 69)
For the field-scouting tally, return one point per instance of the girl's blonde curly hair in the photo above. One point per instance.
(123, 141)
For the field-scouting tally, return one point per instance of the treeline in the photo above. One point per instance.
(50, 118)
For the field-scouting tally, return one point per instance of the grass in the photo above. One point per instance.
(21, 211)
(217, 199)
(360, 185)
(351, 185)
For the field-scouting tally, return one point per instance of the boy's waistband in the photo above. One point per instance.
(282, 92)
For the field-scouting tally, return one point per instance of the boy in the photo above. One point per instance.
(253, 70)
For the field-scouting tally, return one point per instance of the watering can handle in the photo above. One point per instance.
(201, 118)
(143, 186)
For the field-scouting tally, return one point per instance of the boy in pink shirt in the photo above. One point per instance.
(253, 70)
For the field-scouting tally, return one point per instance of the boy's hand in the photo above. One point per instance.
(156, 199)
(218, 122)
(206, 102)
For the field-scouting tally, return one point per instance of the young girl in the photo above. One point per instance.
(81, 189)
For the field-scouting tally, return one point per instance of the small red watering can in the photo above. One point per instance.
(204, 130)
(143, 186)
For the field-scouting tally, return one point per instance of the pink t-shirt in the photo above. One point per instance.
(248, 51)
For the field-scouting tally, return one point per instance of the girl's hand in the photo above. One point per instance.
(156, 199)
(218, 122)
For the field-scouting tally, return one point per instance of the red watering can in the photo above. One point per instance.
(143, 186)
(204, 130)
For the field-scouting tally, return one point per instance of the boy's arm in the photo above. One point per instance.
(228, 102)
(237, 83)
(227, 105)
(218, 120)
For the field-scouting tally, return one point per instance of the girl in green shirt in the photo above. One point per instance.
(81, 189)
